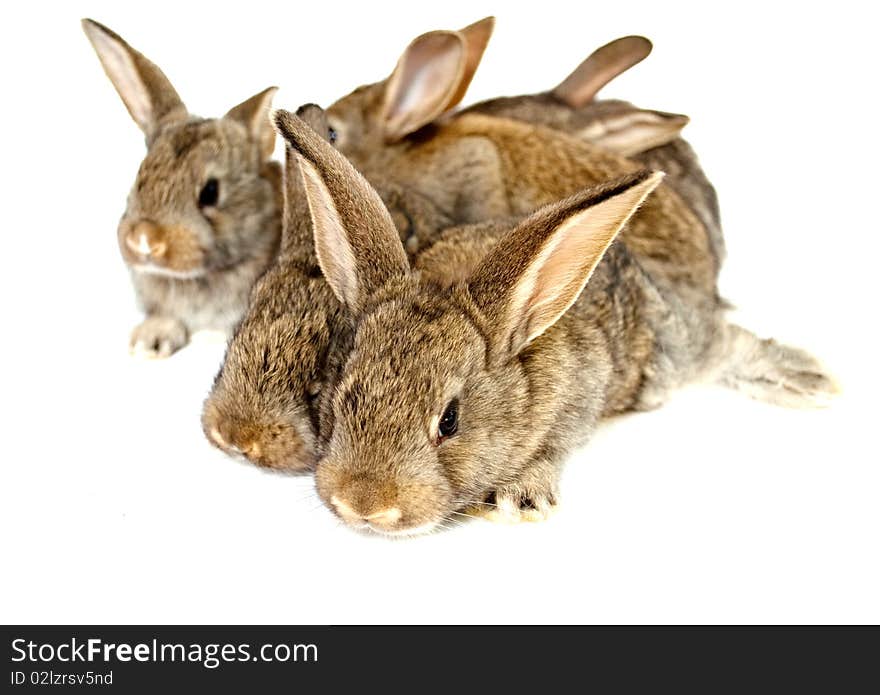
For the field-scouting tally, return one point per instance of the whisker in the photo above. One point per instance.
(467, 516)
(445, 526)
(480, 503)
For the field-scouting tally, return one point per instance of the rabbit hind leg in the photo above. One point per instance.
(772, 372)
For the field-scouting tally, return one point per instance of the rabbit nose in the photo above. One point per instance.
(233, 444)
(146, 239)
(386, 517)
(383, 517)
(251, 449)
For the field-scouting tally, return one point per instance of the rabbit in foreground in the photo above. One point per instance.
(203, 218)
(266, 398)
(475, 393)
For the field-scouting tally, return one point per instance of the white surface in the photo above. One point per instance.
(114, 507)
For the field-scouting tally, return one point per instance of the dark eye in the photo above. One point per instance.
(449, 420)
(209, 194)
(332, 135)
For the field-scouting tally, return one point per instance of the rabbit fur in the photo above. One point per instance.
(531, 360)
(266, 396)
(203, 218)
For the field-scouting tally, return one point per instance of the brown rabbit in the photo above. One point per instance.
(265, 399)
(650, 138)
(571, 106)
(477, 392)
(475, 167)
(203, 218)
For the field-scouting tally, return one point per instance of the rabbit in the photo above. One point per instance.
(474, 393)
(473, 166)
(650, 138)
(571, 106)
(266, 397)
(203, 219)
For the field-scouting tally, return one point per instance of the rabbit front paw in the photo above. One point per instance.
(533, 499)
(158, 336)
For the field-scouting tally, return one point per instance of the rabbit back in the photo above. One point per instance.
(526, 166)
(676, 157)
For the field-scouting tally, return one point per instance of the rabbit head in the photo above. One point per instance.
(264, 401)
(434, 72)
(205, 197)
(430, 78)
(432, 408)
(263, 404)
(267, 397)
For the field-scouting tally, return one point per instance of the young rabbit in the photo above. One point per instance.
(203, 218)
(475, 167)
(265, 400)
(650, 138)
(477, 392)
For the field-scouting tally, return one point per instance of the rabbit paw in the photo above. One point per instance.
(158, 336)
(511, 504)
(779, 374)
(800, 380)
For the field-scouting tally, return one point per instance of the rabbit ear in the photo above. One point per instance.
(432, 76)
(600, 67)
(424, 83)
(537, 271)
(635, 132)
(357, 245)
(315, 117)
(145, 91)
(476, 37)
(297, 235)
(253, 114)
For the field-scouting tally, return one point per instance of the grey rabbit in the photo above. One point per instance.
(203, 219)
(474, 393)
(476, 167)
(265, 401)
(648, 137)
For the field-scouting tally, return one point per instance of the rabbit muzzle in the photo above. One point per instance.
(163, 249)
(279, 447)
(146, 241)
(384, 504)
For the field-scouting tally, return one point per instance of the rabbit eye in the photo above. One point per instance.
(209, 194)
(448, 425)
(332, 135)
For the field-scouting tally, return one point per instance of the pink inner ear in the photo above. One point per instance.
(423, 83)
(331, 240)
(124, 74)
(563, 271)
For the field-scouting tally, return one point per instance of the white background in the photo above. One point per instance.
(713, 509)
